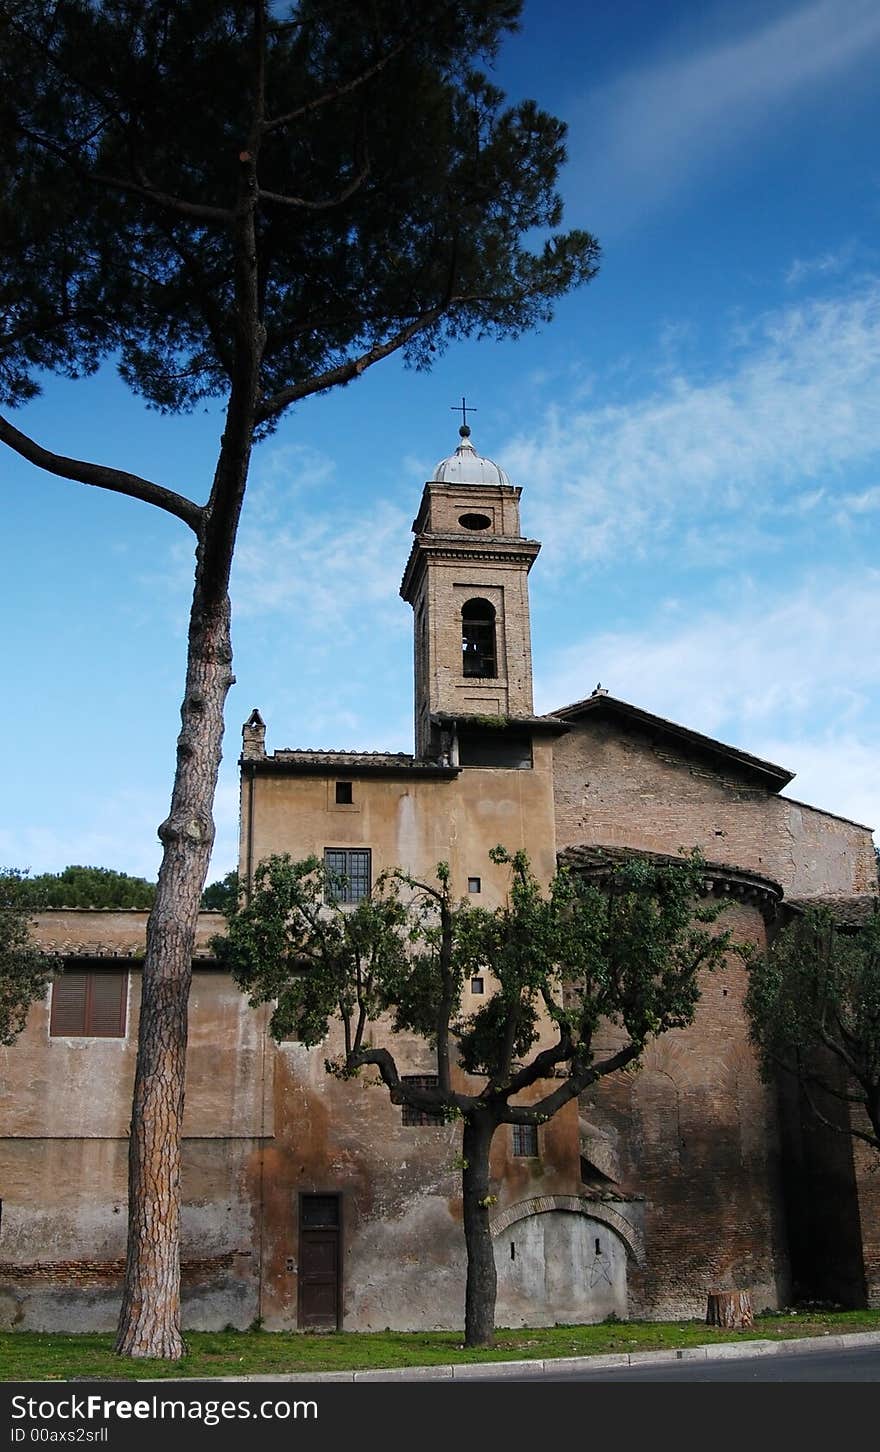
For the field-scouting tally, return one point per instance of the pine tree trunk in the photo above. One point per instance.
(149, 1323)
(480, 1292)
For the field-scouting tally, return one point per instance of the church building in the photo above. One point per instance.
(311, 1202)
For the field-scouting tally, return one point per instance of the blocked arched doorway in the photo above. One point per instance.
(562, 1258)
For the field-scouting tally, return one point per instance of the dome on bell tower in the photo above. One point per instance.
(466, 466)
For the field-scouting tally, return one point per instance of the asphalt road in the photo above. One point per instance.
(815, 1365)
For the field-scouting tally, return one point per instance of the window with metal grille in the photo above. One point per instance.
(89, 1004)
(421, 1116)
(343, 794)
(525, 1139)
(478, 638)
(348, 871)
(319, 1211)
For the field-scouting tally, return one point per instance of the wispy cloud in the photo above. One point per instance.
(826, 264)
(867, 502)
(657, 128)
(749, 660)
(793, 403)
(319, 562)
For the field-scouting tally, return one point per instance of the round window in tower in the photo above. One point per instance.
(474, 521)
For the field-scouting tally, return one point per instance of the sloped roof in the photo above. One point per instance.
(111, 933)
(356, 762)
(773, 777)
(592, 860)
(848, 912)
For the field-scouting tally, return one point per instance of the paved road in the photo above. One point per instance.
(849, 1364)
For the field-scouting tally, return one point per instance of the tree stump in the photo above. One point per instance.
(731, 1309)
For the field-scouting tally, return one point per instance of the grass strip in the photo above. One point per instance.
(57, 1356)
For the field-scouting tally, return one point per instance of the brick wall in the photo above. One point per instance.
(694, 1130)
(620, 784)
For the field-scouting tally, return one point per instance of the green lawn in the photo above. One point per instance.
(49, 1356)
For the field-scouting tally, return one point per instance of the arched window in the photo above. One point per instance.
(478, 638)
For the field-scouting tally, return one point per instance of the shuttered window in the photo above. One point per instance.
(89, 1004)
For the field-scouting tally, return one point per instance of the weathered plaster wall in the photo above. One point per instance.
(65, 1105)
(410, 821)
(403, 1243)
(573, 1267)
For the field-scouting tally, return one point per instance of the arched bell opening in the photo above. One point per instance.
(479, 655)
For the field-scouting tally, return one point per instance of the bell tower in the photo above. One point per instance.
(467, 581)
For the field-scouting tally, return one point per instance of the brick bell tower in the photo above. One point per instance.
(467, 581)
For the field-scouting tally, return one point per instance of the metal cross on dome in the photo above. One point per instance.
(464, 409)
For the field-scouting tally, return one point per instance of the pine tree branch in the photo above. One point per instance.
(337, 92)
(191, 211)
(346, 372)
(117, 481)
(323, 206)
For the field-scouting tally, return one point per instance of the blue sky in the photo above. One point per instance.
(697, 435)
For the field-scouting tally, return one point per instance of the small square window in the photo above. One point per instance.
(525, 1140)
(343, 794)
(477, 985)
(474, 884)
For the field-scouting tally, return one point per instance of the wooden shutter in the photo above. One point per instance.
(69, 994)
(89, 1003)
(106, 1016)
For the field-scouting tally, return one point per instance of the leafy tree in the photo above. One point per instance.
(24, 970)
(88, 887)
(222, 894)
(624, 949)
(814, 1007)
(252, 202)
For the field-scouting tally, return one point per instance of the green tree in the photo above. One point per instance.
(88, 887)
(814, 1008)
(221, 895)
(24, 970)
(252, 202)
(624, 949)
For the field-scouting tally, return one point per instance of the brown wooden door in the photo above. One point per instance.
(319, 1262)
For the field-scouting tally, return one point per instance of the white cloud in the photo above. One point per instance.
(864, 503)
(657, 128)
(827, 264)
(749, 661)
(795, 403)
(300, 553)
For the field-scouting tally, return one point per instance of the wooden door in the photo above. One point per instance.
(319, 1262)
